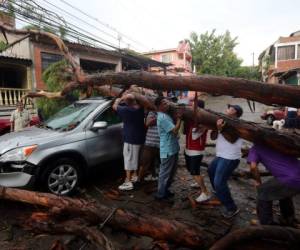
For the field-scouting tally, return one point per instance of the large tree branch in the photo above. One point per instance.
(248, 236)
(253, 90)
(43, 222)
(285, 142)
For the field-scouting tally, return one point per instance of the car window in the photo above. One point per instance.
(110, 116)
(70, 116)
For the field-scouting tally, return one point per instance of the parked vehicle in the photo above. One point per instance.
(59, 154)
(5, 113)
(273, 114)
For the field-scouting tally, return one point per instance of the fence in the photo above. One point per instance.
(11, 96)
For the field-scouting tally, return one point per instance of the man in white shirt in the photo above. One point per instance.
(20, 118)
(228, 154)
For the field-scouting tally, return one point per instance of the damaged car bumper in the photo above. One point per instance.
(17, 174)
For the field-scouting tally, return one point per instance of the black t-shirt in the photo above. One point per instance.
(134, 128)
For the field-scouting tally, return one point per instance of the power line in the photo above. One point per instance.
(67, 28)
(83, 21)
(102, 23)
(71, 32)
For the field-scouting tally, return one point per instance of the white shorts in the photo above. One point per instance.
(131, 154)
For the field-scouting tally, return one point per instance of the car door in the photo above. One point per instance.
(105, 144)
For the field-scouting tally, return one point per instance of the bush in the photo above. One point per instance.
(55, 77)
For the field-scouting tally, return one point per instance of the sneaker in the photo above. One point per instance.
(134, 178)
(195, 185)
(229, 214)
(148, 177)
(126, 186)
(202, 197)
(154, 178)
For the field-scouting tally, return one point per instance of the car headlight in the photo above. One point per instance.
(18, 154)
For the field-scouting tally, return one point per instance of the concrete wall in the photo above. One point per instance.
(19, 50)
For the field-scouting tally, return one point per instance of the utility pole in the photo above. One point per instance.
(119, 39)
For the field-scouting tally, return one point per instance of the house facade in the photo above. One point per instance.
(180, 63)
(22, 65)
(280, 62)
(180, 58)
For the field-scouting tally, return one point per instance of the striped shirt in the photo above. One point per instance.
(152, 137)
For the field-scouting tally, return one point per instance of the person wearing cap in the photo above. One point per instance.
(228, 154)
(195, 144)
(132, 115)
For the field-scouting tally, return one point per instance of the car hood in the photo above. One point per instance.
(29, 136)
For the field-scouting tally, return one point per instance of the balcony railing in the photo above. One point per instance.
(11, 96)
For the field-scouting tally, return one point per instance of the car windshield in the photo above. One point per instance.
(70, 117)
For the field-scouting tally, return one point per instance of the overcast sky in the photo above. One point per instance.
(159, 24)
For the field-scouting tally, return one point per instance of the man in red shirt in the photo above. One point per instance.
(195, 144)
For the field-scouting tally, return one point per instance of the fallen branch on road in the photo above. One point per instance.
(43, 222)
(93, 214)
(247, 237)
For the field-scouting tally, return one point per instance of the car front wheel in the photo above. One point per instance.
(62, 177)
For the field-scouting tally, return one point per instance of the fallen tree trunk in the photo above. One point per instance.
(285, 142)
(247, 236)
(282, 141)
(252, 90)
(141, 224)
(42, 222)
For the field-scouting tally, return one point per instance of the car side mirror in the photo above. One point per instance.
(99, 125)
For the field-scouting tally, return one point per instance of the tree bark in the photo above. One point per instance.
(285, 142)
(141, 224)
(250, 234)
(252, 90)
(43, 222)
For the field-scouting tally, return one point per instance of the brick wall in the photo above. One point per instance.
(287, 65)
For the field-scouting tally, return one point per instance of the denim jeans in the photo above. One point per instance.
(167, 172)
(219, 172)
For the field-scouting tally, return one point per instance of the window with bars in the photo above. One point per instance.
(286, 52)
(48, 59)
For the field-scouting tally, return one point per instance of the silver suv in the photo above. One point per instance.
(59, 154)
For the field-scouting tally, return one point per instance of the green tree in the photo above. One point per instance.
(248, 72)
(55, 77)
(3, 45)
(214, 54)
